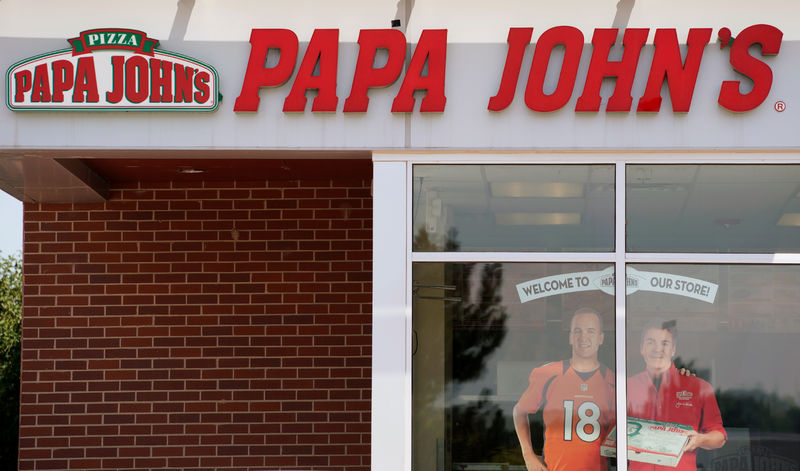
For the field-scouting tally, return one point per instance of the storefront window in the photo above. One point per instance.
(486, 333)
(506, 353)
(737, 328)
(713, 208)
(532, 208)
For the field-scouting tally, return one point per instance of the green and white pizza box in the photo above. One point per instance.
(650, 441)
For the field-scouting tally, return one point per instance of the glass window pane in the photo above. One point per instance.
(535, 208)
(734, 326)
(506, 354)
(713, 208)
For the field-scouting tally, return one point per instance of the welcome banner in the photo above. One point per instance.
(603, 280)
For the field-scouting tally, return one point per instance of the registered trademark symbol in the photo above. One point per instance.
(780, 106)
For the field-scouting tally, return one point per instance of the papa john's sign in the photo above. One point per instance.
(427, 69)
(112, 69)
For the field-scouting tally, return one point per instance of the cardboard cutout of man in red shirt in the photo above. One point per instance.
(662, 393)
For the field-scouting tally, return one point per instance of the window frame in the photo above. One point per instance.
(393, 195)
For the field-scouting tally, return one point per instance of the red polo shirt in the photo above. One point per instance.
(686, 400)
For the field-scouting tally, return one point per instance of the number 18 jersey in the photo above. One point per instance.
(578, 410)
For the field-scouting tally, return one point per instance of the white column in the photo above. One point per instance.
(391, 383)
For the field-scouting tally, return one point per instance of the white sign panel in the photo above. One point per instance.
(112, 69)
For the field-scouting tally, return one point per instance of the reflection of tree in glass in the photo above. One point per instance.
(702, 373)
(772, 422)
(758, 410)
(767, 417)
(424, 242)
(479, 328)
(481, 432)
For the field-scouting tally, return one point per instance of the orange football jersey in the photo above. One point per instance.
(578, 410)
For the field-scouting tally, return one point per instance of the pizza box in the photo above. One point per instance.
(650, 441)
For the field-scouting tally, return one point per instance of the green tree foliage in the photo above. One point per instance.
(10, 333)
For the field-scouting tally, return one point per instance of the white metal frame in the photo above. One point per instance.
(393, 257)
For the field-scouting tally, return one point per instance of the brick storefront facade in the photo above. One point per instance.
(204, 325)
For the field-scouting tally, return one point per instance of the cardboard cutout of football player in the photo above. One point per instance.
(577, 400)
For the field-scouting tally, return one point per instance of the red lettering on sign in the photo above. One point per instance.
(85, 82)
(769, 37)
(160, 81)
(431, 49)
(667, 65)
(62, 79)
(118, 74)
(136, 79)
(203, 92)
(41, 84)
(184, 76)
(600, 67)
(257, 75)
(427, 67)
(22, 84)
(366, 75)
(518, 39)
(323, 49)
(572, 39)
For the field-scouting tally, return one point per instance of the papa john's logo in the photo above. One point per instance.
(113, 69)
(684, 395)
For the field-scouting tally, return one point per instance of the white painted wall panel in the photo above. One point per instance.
(473, 74)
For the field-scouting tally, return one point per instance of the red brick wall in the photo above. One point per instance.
(199, 326)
